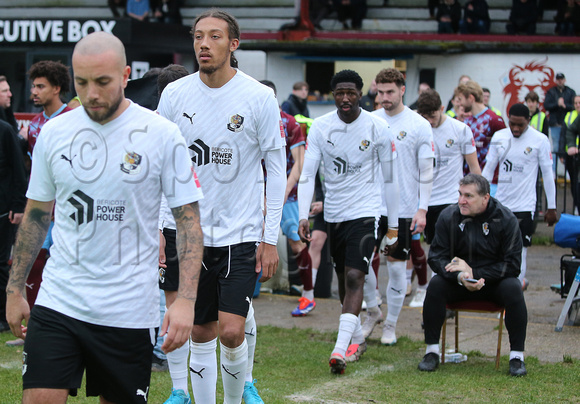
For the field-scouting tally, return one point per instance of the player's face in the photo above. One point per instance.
(465, 102)
(518, 125)
(390, 95)
(346, 99)
(5, 94)
(532, 106)
(212, 45)
(471, 203)
(99, 81)
(435, 117)
(42, 92)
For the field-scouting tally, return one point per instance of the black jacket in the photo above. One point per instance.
(294, 106)
(490, 243)
(13, 181)
(557, 113)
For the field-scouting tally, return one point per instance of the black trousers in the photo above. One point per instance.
(507, 292)
(7, 233)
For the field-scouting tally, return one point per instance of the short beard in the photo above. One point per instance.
(108, 113)
(209, 70)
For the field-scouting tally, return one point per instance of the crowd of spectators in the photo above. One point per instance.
(165, 11)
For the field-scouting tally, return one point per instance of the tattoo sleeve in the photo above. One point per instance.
(189, 242)
(31, 234)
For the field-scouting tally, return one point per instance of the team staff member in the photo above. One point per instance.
(98, 303)
(230, 122)
(476, 239)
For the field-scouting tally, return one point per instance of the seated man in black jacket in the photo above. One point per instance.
(476, 253)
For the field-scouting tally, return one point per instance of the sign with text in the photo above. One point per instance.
(50, 31)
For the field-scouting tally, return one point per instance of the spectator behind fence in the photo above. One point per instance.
(571, 132)
(475, 18)
(448, 16)
(351, 9)
(568, 18)
(167, 11)
(115, 4)
(538, 119)
(523, 16)
(138, 9)
(296, 104)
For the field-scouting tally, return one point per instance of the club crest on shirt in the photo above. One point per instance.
(461, 226)
(485, 228)
(364, 145)
(528, 150)
(131, 163)
(449, 143)
(402, 134)
(236, 123)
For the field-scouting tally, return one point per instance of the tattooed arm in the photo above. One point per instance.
(31, 235)
(179, 316)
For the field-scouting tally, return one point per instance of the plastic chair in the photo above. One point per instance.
(473, 306)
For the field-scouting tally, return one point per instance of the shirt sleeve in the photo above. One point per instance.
(269, 125)
(467, 141)
(492, 159)
(426, 147)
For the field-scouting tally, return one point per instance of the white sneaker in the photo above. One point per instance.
(370, 321)
(409, 289)
(364, 305)
(419, 298)
(389, 337)
(379, 298)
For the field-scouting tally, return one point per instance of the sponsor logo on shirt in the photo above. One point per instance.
(204, 154)
(190, 117)
(364, 145)
(236, 123)
(508, 167)
(70, 161)
(282, 130)
(131, 163)
(342, 167)
(83, 205)
(104, 210)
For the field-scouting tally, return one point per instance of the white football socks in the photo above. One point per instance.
(346, 328)
(203, 368)
(234, 362)
(251, 332)
(177, 362)
(396, 289)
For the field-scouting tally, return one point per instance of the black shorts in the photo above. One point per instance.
(352, 243)
(169, 277)
(319, 223)
(381, 231)
(527, 227)
(433, 213)
(404, 237)
(59, 348)
(227, 281)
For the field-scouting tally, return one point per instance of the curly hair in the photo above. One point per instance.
(390, 76)
(428, 102)
(56, 73)
(347, 76)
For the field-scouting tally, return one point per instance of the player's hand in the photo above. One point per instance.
(315, 208)
(15, 218)
(162, 257)
(419, 221)
(266, 260)
(390, 241)
(179, 320)
(551, 217)
(17, 309)
(459, 265)
(304, 230)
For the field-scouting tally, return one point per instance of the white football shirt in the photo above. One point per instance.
(519, 160)
(453, 139)
(414, 141)
(352, 155)
(107, 181)
(227, 129)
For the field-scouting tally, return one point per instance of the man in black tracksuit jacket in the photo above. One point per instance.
(477, 239)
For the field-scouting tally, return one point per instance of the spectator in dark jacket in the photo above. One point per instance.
(523, 17)
(558, 101)
(448, 16)
(475, 18)
(568, 17)
(296, 104)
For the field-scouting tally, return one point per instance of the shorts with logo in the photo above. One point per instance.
(59, 348)
(527, 227)
(404, 238)
(352, 243)
(227, 281)
(433, 213)
(169, 277)
(289, 222)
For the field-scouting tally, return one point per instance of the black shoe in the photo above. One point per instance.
(159, 365)
(517, 367)
(429, 363)
(4, 327)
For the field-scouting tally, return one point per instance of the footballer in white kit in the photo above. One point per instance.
(414, 143)
(453, 143)
(106, 166)
(520, 151)
(354, 145)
